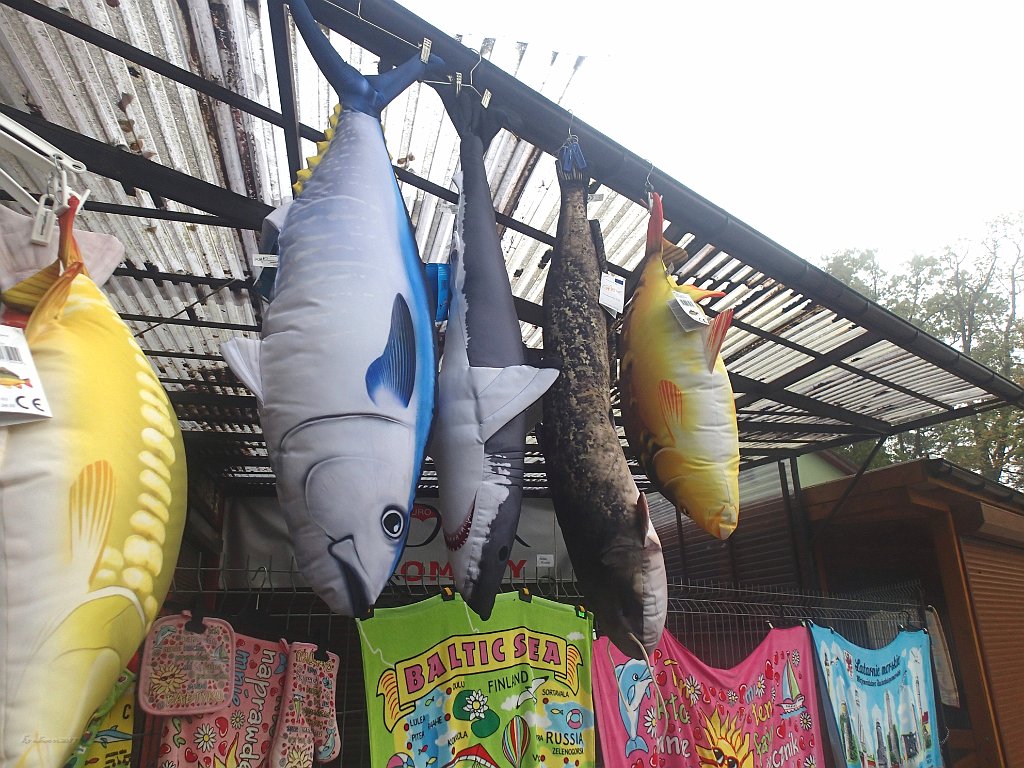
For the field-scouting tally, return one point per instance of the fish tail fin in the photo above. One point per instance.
(90, 508)
(364, 94)
(470, 117)
(636, 744)
(68, 252)
(714, 336)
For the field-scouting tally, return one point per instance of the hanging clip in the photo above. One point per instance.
(649, 187)
(425, 50)
(44, 221)
(458, 83)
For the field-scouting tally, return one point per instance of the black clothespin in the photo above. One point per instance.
(524, 595)
(447, 593)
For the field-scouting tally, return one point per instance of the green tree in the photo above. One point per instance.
(969, 296)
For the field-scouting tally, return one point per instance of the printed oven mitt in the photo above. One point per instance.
(307, 728)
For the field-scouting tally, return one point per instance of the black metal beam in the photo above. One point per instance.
(157, 321)
(148, 213)
(217, 401)
(179, 277)
(182, 355)
(749, 427)
(281, 41)
(136, 171)
(810, 405)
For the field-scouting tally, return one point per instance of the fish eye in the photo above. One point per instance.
(393, 522)
(733, 762)
(719, 756)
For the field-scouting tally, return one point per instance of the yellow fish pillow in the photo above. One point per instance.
(678, 408)
(92, 505)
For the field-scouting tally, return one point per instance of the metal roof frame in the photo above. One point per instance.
(814, 364)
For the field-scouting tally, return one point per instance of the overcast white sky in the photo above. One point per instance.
(893, 124)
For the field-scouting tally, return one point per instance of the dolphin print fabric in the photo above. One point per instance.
(108, 739)
(447, 689)
(345, 371)
(882, 702)
(681, 713)
(92, 507)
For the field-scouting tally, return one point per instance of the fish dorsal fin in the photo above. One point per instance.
(243, 358)
(394, 372)
(51, 306)
(303, 175)
(90, 508)
(26, 295)
(504, 393)
(672, 254)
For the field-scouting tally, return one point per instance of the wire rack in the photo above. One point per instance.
(720, 623)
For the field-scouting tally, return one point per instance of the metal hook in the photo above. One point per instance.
(649, 187)
(570, 136)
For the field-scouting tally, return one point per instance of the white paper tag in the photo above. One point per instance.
(613, 293)
(687, 313)
(263, 260)
(545, 561)
(21, 393)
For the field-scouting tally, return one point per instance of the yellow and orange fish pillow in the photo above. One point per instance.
(678, 408)
(92, 506)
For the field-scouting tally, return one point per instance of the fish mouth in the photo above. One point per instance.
(344, 550)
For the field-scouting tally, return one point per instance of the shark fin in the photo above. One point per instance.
(395, 370)
(504, 393)
(243, 358)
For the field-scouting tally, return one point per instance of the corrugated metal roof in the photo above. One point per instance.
(813, 364)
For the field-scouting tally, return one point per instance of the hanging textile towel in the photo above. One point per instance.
(678, 712)
(882, 709)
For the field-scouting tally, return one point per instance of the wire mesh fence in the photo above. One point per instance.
(720, 623)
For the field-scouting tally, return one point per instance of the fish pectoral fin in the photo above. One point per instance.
(394, 372)
(714, 335)
(243, 358)
(504, 393)
(670, 402)
(90, 508)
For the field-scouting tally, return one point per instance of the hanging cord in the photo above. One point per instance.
(200, 300)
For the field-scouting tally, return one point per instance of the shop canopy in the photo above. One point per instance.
(193, 117)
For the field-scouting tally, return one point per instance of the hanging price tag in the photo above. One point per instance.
(687, 313)
(613, 293)
(21, 393)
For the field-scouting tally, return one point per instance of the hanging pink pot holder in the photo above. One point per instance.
(241, 732)
(185, 672)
